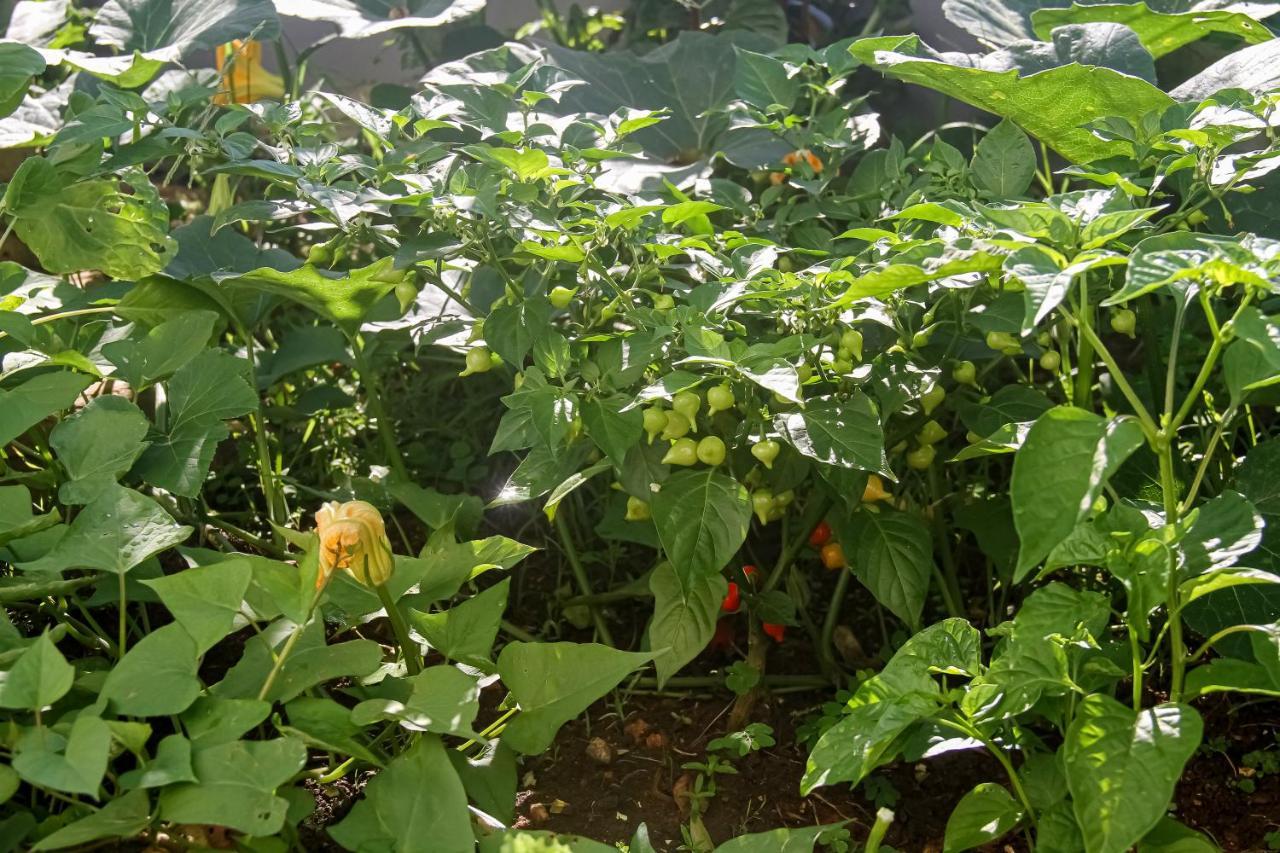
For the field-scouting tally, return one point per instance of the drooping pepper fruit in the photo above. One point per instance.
(820, 535)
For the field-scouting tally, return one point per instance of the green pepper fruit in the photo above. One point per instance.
(479, 360)
(677, 426)
(762, 504)
(561, 296)
(719, 399)
(851, 340)
(965, 373)
(766, 451)
(1124, 322)
(932, 398)
(931, 433)
(687, 403)
(655, 421)
(683, 451)
(711, 450)
(1051, 361)
(663, 302)
(637, 510)
(922, 457)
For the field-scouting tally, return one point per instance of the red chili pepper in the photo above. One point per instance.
(752, 573)
(732, 599)
(722, 639)
(777, 632)
(820, 535)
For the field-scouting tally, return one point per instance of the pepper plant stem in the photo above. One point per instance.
(580, 574)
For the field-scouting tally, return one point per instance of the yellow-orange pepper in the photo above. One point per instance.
(791, 159)
(244, 79)
(874, 490)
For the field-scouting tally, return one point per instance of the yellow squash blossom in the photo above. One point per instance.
(244, 80)
(353, 538)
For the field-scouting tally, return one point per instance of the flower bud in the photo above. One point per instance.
(353, 538)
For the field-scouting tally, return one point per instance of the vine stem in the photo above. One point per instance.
(408, 648)
(123, 642)
(373, 393)
(580, 574)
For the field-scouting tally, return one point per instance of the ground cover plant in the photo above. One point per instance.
(364, 453)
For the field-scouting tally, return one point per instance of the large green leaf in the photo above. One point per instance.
(1161, 32)
(116, 532)
(157, 676)
(894, 559)
(205, 600)
(74, 762)
(363, 18)
(163, 350)
(18, 65)
(685, 610)
(39, 677)
(97, 445)
(1052, 105)
(170, 29)
(554, 682)
(1004, 162)
(416, 805)
(123, 817)
(1059, 472)
(439, 699)
(25, 405)
(780, 840)
(867, 737)
(312, 662)
(342, 298)
(844, 433)
(702, 518)
(1122, 767)
(466, 631)
(89, 225)
(982, 815)
(1256, 68)
(237, 786)
(207, 391)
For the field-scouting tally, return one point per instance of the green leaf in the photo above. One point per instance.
(207, 391)
(780, 840)
(116, 532)
(123, 817)
(1160, 32)
(416, 805)
(97, 445)
(344, 299)
(90, 225)
(325, 724)
(1122, 767)
(489, 778)
(1059, 472)
(172, 29)
(237, 786)
(1255, 68)
(702, 517)
(554, 682)
(38, 678)
(1047, 282)
(171, 765)
(17, 519)
(1052, 105)
(613, 430)
(1225, 528)
(440, 699)
(867, 737)
(541, 840)
(157, 676)
(25, 405)
(18, 65)
(1182, 258)
(763, 81)
(1004, 162)
(312, 662)
(211, 721)
(205, 600)
(685, 610)
(984, 814)
(74, 763)
(894, 559)
(844, 433)
(510, 330)
(165, 349)
(465, 632)
(1258, 477)
(1169, 836)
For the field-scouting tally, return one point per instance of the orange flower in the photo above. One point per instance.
(354, 539)
(792, 159)
(244, 79)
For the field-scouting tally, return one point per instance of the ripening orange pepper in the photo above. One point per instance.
(794, 157)
(732, 599)
(244, 79)
(776, 632)
(833, 556)
(821, 535)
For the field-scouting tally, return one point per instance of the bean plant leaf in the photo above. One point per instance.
(74, 763)
(554, 682)
(38, 678)
(1122, 766)
(123, 817)
(702, 518)
(843, 433)
(1059, 472)
(237, 786)
(685, 610)
(982, 815)
(97, 445)
(200, 397)
(171, 765)
(171, 29)
(114, 533)
(416, 805)
(25, 405)
(157, 676)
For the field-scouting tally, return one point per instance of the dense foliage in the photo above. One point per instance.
(677, 281)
